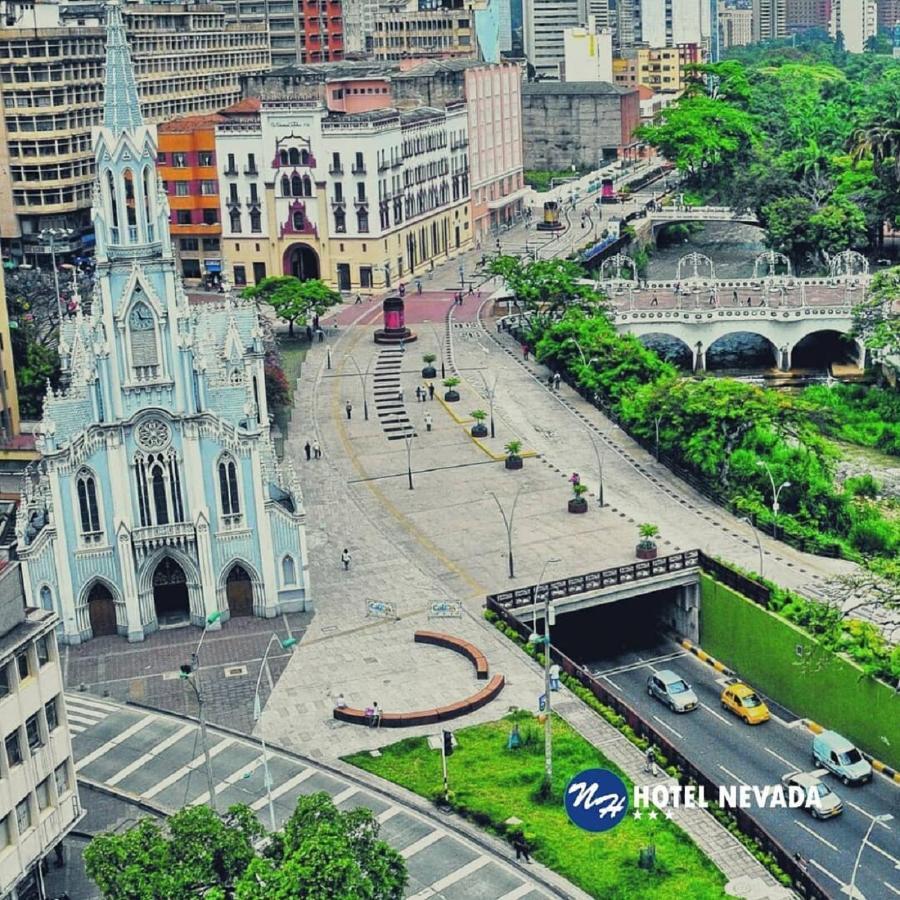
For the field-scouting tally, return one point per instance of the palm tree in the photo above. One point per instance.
(880, 139)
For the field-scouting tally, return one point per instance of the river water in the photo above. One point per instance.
(733, 248)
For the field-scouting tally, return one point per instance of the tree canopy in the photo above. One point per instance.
(292, 299)
(320, 854)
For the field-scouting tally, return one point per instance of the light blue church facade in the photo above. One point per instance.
(158, 499)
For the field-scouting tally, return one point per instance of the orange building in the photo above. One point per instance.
(187, 167)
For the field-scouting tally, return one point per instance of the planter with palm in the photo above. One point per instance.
(646, 547)
(479, 429)
(578, 503)
(451, 395)
(429, 371)
(513, 460)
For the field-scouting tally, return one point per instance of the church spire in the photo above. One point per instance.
(121, 105)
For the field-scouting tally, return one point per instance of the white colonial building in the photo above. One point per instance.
(158, 499)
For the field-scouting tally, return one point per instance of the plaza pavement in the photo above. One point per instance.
(442, 540)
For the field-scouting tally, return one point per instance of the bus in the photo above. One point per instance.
(608, 191)
(551, 217)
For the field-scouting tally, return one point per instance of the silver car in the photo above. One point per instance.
(821, 801)
(673, 690)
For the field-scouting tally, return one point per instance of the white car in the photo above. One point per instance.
(673, 690)
(821, 801)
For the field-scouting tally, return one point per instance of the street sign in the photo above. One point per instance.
(542, 702)
(446, 609)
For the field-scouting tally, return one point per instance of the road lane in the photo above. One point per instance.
(731, 752)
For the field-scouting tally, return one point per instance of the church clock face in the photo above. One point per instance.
(141, 318)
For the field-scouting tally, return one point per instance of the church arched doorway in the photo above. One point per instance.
(170, 594)
(239, 591)
(101, 611)
(301, 261)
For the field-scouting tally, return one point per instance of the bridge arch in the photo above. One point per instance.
(824, 347)
(670, 347)
(740, 349)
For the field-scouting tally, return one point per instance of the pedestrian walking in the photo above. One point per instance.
(400, 394)
(521, 847)
(317, 450)
(749, 301)
(424, 393)
(650, 761)
(349, 407)
(358, 299)
(321, 335)
(556, 380)
(428, 421)
(402, 289)
(550, 381)
(525, 352)
(309, 334)
(418, 393)
(712, 299)
(374, 714)
(307, 447)
(654, 301)
(554, 677)
(431, 390)
(734, 298)
(340, 702)
(418, 285)
(345, 559)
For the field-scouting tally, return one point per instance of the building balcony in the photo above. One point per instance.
(358, 203)
(252, 201)
(359, 170)
(181, 534)
(335, 170)
(232, 171)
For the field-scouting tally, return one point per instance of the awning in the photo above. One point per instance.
(88, 240)
(213, 265)
(502, 202)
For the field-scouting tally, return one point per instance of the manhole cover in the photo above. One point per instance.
(235, 671)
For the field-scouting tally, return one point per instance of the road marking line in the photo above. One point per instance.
(389, 813)
(607, 678)
(866, 813)
(445, 882)
(76, 729)
(283, 788)
(818, 837)
(891, 887)
(825, 871)
(640, 665)
(81, 720)
(91, 703)
(729, 772)
(429, 839)
(113, 742)
(195, 763)
(712, 712)
(884, 853)
(345, 794)
(233, 778)
(517, 893)
(788, 763)
(147, 757)
(667, 725)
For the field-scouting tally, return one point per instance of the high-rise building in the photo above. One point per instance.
(628, 23)
(359, 25)
(661, 69)
(856, 20)
(735, 27)
(300, 31)
(446, 33)
(545, 22)
(588, 54)
(599, 9)
(38, 794)
(188, 61)
(159, 500)
(888, 13)
(769, 20)
(802, 15)
(668, 23)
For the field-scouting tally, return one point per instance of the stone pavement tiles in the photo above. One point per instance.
(157, 759)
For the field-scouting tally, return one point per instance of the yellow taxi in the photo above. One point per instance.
(745, 703)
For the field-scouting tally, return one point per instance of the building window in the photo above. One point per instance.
(207, 158)
(191, 245)
(52, 712)
(33, 733)
(210, 243)
(62, 779)
(4, 681)
(294, 156)
(340, 221)
(255, 222)
(5, 836)
(209, 188)
(361, 191)
(259, 271)
(179, 160)
(158, 492)
(365, 276)
(231, 169)
(42, 645)
(297, 220)
(251, 165)
(182, 189)
(288, 571)
(235, 221)
(87, 503)
(190, 268)
(23, 816)
(23, 664)
(228, 488)
(240, 275)
(210, 217)
(142, 338)
(182, 217)
(42, 793)
(338, 192)
(13, 749)
(362, 220)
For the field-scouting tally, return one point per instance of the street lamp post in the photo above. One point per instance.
(881, 820)
(490, 392)
(193, 669)
(286, 644)
(758, 542)
(599, 456)
(656, 420)
(534, 595)
(508, 524)
(548, 721)
(53, 234)
(363, 377)
(408, 441)
(776, 493)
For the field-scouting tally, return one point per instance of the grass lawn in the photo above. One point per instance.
(490, 784)
(293, 353)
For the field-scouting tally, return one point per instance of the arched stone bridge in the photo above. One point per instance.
(666, 215)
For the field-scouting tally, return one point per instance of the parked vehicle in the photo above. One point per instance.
(821, 801)
(673, 690)
(745, 703)
(835, 753)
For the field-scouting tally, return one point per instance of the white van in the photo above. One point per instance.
(841, 758)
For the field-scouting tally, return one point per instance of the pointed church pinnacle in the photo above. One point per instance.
(121, 105)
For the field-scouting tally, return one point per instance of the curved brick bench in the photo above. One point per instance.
(458, 645)
(426, 716)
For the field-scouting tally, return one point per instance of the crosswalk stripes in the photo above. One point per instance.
(83, 712)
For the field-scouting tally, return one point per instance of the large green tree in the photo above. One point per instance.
(877, 318)
(292, 299)
(321, 854)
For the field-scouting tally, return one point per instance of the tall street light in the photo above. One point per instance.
(533, 638)
(600, 501)
(50, 235)
(881, 820)
(190, 672)
(408, 441)
(758, 543)
(363, 378)
(776, 493)
(508, 524)
(490, 392)
(548, 722)
(285, 644)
